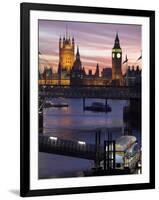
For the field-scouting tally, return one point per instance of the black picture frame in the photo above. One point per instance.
(25, 9)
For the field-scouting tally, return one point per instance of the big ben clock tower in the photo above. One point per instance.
(116, 61)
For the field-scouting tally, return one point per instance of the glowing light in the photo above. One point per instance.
(81, 142)
(53, 138)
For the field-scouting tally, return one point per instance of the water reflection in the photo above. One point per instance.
(73, 123)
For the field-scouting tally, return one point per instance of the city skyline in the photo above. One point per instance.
(95, 41)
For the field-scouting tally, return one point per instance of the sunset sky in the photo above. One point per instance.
(95, 42)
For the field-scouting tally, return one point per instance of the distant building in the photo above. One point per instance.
(97, 71)
(78, 76)
(116, 62)
(133, 76)
(59, 71)
(66, 60)
(71, 71)
(50, 78)
(77, 72)
(107, 73)
(40, 77)
(66, 53)
(47, 73)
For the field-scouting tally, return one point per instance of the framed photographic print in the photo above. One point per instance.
(87, 99)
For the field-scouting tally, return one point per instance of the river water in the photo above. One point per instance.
(73, 123)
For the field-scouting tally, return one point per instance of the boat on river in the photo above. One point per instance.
(49, 104)
(127, 153)
(98, 107)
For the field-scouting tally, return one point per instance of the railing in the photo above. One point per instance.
(66, 147)
(109, 92)
(79, 149)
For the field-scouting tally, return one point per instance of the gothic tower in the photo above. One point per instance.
(66, 52)
(97, 71)
(117, 61)
(77, 72)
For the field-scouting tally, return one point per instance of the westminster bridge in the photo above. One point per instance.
(105, 92)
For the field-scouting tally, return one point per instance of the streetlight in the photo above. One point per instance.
(53, 138)
(81, 142)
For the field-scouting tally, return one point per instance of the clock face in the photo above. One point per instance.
(118, 55)
(113, 55)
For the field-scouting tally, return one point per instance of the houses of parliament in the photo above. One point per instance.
(72, 72)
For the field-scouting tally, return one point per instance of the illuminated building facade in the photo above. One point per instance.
(66, 53)
(71, 71)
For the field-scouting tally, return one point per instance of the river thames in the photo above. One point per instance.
(72, 123)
